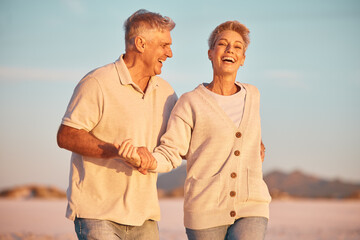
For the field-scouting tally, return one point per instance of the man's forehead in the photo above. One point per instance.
(163, 37)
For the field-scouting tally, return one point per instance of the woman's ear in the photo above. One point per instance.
(243, 60)
(140, 43)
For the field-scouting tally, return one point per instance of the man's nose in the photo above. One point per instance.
(169, 53)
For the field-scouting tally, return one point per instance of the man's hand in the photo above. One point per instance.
(262, 151)
(129, 153)
(148, 161)
(138, 157)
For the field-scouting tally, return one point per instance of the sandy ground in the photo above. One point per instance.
(290, 220)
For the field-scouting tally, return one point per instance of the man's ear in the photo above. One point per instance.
(209, 54)
(140, 43)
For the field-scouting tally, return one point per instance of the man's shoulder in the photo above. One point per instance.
(106, 74)
(162, 83)
(103, 71)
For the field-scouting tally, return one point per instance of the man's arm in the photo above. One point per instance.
(84, 143)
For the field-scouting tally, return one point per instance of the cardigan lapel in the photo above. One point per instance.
(215, 106)
(247, 109)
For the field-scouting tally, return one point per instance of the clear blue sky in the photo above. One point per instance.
(304, 57)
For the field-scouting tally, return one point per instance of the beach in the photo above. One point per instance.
(303, 219)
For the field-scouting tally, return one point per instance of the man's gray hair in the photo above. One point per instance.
(142, 21)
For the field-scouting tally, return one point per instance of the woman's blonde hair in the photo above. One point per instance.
(233, 26)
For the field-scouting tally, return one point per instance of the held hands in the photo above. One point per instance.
(138, 157)
(129, 153)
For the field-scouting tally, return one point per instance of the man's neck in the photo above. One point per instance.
(135, 68)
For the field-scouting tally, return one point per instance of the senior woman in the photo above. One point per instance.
(216, 128)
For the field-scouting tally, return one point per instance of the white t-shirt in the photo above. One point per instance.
(232, 105)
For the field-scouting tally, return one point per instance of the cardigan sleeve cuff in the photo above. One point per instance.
(163, 165)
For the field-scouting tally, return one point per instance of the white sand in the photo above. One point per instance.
(290, 220)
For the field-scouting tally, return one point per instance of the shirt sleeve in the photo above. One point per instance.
(174, 144)
(85, 108)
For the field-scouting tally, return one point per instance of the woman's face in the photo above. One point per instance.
(228, 53)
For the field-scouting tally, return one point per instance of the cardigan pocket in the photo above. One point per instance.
(258, 190)
(202, 194)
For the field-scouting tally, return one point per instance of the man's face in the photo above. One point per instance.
(228, 53)
(157, 51)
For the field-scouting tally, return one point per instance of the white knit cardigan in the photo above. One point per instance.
(224, 168)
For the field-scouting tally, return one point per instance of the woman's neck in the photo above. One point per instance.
(223, 86)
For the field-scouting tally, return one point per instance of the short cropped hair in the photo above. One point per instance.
(233, 26)
(142, 21)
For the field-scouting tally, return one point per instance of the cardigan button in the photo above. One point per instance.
(237, 153)
(232, 194)
(238, 134)
(233, 175)
(232, 214)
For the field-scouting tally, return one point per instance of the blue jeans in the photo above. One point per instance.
(93, 229)
(248, 228)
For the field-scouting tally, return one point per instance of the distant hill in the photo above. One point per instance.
(171, 184)
(281, 185)
(32, 191)
(298, 184)
(173, 179)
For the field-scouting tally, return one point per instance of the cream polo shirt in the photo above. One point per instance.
(108, 104)
(224, 169)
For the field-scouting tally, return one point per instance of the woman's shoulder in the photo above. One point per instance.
(188, 96)
(189, 100)
(249, 86)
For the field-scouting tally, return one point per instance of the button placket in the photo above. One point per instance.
(233, 175)
(232, 193)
